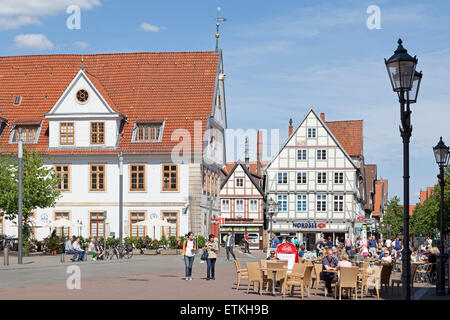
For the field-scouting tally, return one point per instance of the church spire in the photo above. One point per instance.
(218, 19)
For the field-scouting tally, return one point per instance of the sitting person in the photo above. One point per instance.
(301, 252)
(68, 248)
(272, 256)
(77, 248)
(99, 249)
(343, 262)
(352, 252)
(329, 263)
(365, 252)
(92, 249)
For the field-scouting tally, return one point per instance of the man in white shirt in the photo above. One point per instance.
(77, 248)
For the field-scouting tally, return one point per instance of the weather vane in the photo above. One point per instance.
(219, 20)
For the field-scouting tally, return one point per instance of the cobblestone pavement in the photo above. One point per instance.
(142, 277)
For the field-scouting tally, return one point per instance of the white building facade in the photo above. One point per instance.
(168, 124)
(316, 184)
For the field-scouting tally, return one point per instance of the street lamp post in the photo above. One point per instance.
(272, 207)
(401, 68)
(441, 153)
(19, 222)
(120, 205)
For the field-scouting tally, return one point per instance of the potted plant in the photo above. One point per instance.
(153, 247)
(172, 246)
(53, 245)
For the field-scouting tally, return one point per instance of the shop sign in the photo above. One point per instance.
(226, 228)
(240, 219)
(239, 228)
(308, 225)
(252, 229)
(360, 218)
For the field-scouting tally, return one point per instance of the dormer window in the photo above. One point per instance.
(17, 100)
(97, 132)
(28, 133)
(148, 132)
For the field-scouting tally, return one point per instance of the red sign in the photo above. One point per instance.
(321, 225)
(361, 218)
(288, 248)
(221, 220)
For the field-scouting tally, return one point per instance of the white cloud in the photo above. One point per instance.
(148, 27)
(17, 13)
(81, 44)
(32, 42)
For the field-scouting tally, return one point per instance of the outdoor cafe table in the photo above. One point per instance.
(274, 272)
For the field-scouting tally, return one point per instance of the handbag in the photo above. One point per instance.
(204, 255)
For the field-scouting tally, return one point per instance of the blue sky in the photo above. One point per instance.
(281, 58)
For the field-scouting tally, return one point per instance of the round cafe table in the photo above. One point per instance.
(274, 273)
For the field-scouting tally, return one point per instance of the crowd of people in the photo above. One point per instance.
(95, 248)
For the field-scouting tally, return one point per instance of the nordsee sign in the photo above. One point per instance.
(308, 225)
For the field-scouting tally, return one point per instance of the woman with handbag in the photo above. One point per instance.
(211, 250)
(189, 248)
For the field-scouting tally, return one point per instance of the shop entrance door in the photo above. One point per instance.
(309, 240)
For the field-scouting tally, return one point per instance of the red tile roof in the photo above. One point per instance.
(349, 134)
(177, 87)
(411, 209)
(252, 164)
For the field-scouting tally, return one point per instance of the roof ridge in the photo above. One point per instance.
(104, 54)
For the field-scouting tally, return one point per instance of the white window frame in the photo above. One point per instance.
(338, 200)
(223, 207)
(304, 175)
(302, 154)
(282, 200)
(321, 201)
(321, 154)
(241, 185)
(302, 199)
(255, 204)
(323, 175)
(311, 131)
(338, 175)
(283, 176)
(239, 201)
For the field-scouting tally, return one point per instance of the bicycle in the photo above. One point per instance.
(127, 251)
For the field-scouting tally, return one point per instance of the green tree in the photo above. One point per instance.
(426, 216)
(39, 183)
(393, 217)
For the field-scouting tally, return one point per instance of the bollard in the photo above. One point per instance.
(62, 257)
(6, 256)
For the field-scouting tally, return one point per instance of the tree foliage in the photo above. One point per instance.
(393, 217)
(426, 216)
(39, 183)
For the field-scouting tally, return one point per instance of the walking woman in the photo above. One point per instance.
(189, 249)
(211, 247)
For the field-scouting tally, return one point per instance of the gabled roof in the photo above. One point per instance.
(370, 174)
(175, 87)
(247, 172)
(326, 128)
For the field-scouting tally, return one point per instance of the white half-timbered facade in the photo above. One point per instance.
(316, 184)
(242, 202)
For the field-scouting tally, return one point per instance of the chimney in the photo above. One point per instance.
(247, 158)
(259, 148)
(290, 127)
(322, 116)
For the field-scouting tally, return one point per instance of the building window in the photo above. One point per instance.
(239, 205)
(339, 177)
(62, 173)
(82, 96)
(321, 154)
(321, 203)
(27, 133)
(97, 182)
(97, 132)
(282, 177)
(338, 203)
(97, 223)
(282, 204)
(301, 203)
(66, 133)
(253, 205)
(170, 177)
(17, 100)
(311, 132)
(301, 154)
(62, 231)
(172, 218)
(239, 182)
(301, 177)
(137, 231)
(148, 132)
(321, 177)
(226, 205)
(137, 177)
